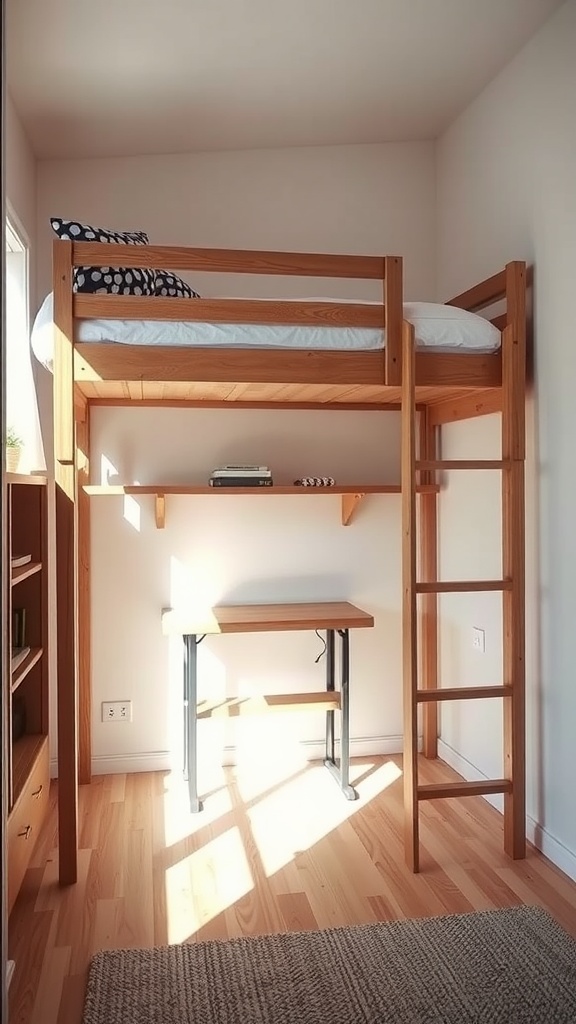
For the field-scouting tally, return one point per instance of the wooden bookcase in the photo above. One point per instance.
(27, 602)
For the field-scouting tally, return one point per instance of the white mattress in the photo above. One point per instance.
(438, 327)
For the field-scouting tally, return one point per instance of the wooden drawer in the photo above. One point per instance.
(25, 821)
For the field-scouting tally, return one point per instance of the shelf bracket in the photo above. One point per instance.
(349, 505)
(160, 511)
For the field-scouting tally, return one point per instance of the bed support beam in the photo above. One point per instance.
(83, 577)
(66, 564)
(454, 410)
(394, 312)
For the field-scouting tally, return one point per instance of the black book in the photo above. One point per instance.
(241, 481)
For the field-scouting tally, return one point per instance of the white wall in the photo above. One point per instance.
(372, 199)
(506, 171)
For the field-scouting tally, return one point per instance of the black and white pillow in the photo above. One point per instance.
(167, 284)
(107, 280)
(74, 231)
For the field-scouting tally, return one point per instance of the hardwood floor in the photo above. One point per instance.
(274, 850)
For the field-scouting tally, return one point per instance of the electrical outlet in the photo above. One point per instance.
(478, 640)
(117, 711)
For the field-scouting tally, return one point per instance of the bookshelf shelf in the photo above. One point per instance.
(350, 494)
(22, 572)
(19, 674)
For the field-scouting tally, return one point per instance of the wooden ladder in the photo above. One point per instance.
(430, 694)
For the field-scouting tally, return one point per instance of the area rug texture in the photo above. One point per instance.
(514, 966)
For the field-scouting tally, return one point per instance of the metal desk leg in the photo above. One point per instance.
(330, 687)
(341, 771)
(347, 789)
(190, 702)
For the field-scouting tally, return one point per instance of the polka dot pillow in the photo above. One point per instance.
(110, 280)
(170, 285)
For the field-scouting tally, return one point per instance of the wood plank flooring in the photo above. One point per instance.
(275, 849)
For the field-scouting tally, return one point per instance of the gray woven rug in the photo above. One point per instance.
(513, 966)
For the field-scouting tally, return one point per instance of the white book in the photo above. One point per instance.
(241, 472)
(233, 467)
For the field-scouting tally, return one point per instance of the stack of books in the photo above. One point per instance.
(241, 476)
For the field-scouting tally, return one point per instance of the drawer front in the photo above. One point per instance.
(24, 823)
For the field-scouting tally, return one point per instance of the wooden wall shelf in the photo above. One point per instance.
(351, 494)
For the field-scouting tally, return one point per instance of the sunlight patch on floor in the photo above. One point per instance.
(206, 882)
(289, 809)
(179, 822)
(302, 811)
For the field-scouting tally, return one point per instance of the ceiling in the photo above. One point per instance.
(123, 77)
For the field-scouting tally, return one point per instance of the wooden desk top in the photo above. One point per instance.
(260, 618)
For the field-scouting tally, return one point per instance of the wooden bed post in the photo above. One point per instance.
(409, 609)
(84, 647)
(65, 508)
(394, 312)
(429, 573)
(513, 557)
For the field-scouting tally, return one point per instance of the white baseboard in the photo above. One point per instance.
(551, 847)
(314, 750)
(165, 760)
(124, 764)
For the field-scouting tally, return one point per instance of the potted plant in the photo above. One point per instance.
(13, 449)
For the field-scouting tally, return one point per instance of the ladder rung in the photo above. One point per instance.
(441, 790)
(463, 693)
(462, 586)
(463, 464)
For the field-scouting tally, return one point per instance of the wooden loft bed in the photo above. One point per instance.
(430, 388)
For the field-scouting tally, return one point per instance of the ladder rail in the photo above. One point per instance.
(409, 606)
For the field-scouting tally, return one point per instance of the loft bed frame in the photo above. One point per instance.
(430, 389)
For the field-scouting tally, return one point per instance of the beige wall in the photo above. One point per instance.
(506, 171)
(373, 199)
(358, 199)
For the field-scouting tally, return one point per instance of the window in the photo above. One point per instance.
(21, 402)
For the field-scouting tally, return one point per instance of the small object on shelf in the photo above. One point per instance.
(18, 560)
(241, 481)
(13, 450)
(18, 627)
(18, 656)
(315, 481)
